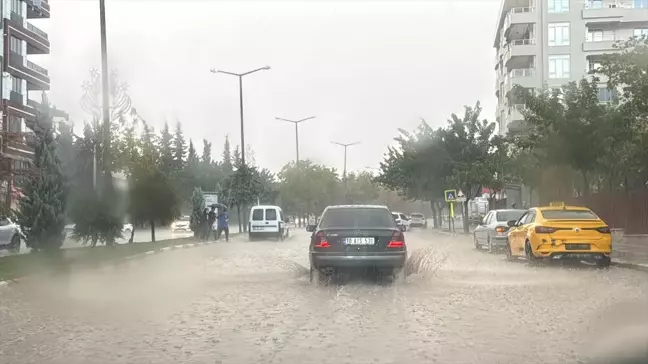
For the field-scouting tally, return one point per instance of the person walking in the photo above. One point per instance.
(211, 219)
(204, 224)
(223, 224)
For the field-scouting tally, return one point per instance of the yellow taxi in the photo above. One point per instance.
(558, 232)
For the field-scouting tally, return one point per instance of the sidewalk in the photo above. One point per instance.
(630, 252)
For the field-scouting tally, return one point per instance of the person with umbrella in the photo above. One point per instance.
(223, 224)
(211, 219)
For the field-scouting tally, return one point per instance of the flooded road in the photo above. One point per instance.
(251, 302)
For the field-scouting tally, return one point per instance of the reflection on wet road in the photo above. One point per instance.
(250, 302)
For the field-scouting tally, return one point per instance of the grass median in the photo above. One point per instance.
(18, 266)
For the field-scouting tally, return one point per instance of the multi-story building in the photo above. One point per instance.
(548, 43)
(21, 38)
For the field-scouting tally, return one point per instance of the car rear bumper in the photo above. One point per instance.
(418, 224)
(342, 260)
(499, 241)
(586, 256)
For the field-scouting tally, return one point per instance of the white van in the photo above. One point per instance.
(267, 221)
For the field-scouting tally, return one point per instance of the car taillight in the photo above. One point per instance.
(604, 230)
(501, 229)
(397, 240)
(544, 230)
(320, 240)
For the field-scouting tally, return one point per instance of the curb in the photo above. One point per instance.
(137, 256)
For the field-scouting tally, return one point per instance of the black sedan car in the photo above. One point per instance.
(356, 236)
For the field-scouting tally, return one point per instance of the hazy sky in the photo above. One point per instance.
(363, 68)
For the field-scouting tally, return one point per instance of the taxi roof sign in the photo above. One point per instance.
(450, 195)
(557, 204)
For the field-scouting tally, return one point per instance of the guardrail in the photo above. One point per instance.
(37, 68)
(36, 30)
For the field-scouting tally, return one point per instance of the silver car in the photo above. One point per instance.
(491, 233)
(10, 235)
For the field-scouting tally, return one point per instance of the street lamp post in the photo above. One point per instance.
(296, 122)
(104, 85)
(94, 163)
(344, 173)
(240, 77)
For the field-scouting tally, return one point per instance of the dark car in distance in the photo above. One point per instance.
(356, 236)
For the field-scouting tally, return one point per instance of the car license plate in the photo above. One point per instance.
(257, 227)
(359, 241)
(577, 246)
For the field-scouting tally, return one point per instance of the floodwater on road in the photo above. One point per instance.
(251, 302)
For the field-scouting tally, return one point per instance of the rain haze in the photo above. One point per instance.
(363, 68)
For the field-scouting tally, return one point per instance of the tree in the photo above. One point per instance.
(179, 147)
(227, 157)
(41, 214)
(197, 206)
(206, 157)
(236, 157)
(308, 187)
(153, 199)
(166, 150)
(362, 188)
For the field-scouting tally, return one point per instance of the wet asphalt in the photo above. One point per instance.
(251, 302)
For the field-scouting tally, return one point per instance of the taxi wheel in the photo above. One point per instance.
(528, 253)
(509, 253)
(604, 263)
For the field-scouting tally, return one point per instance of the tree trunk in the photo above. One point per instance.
(586, 185)
(464, 214)
(152, 223)
(434, 214)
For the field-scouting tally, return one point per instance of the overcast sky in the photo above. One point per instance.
(363, 68)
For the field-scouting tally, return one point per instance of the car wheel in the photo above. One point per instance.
(509, 253)
(280, 236)
(604, 263)
(251, 237)
(528, 254)
(490, 246)
(476, 245)
(14, 246)
(316, 276)
(399, 275)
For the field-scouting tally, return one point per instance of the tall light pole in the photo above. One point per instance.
(240, 77)
(104, 87)
(94, 163)
(296, 122)
(344, 173)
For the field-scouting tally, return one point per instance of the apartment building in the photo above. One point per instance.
(548, 43)
(20, 77)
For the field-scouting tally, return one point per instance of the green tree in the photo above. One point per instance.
(166, 148)
(206, 157)
(41, 212)
(197, 206)
(308, 187)
(227, 157)
(179, 147)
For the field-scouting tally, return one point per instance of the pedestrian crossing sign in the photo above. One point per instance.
(450, 195)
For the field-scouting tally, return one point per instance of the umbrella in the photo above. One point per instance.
(218, 205)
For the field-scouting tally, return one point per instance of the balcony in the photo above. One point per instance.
(15, 106)
(519, 47)
(37, 40)
(36, 76)
(607, 11)
(525, 77)
(38, 12)
(599, 46)
(519, 16)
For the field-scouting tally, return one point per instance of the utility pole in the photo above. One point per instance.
(344, 173)
(240, 78)
(296, 122)
(105, 89)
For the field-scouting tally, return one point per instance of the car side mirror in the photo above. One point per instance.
(512, 223)
(310, 228)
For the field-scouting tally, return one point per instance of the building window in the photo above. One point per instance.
(640, 4)
(16, 45)
(641, 32)
(16, 7)
(558, 6)
(15, 124)
(559, 66)
(595, 36)
(606, 95)
(595, 4)
(593, 65)
(558, 34)
(16, 85)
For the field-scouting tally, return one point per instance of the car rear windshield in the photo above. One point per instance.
(357, 218)
(509, 215)
(257, 215)
(417, 215)
(569, 215)
(271, 214)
